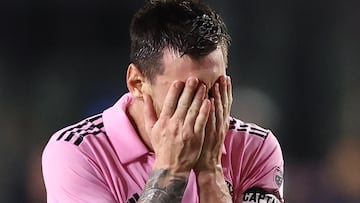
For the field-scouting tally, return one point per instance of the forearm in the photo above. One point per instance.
(212, 187)
(163, 186)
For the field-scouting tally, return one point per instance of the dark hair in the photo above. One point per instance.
(184, 26)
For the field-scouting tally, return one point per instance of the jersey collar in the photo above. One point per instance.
(121, 132)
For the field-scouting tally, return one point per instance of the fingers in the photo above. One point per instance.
(186, 98)
(171, 99)
(226, 97)
(203, 117)
(229, 93)
(212, 117)
(224, 94)
(195, 106)
(218, 106)
(149, 113)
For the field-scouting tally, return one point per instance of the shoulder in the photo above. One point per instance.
(253, 143)
(255, 157)
(69, 161)
(73, 145)
(72, 142)
(70, 152)
(251, 135)
(79, 133)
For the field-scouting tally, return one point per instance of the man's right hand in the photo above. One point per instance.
(178, 134)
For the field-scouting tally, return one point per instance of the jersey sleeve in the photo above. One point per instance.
(71, 177)
(263, 180)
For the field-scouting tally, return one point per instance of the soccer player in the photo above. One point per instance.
(171, 137)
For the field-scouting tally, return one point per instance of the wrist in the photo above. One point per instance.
(209, 175)
(174, 170)
(213, 182)
(208, 168)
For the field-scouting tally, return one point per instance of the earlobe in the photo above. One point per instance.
(135, 81)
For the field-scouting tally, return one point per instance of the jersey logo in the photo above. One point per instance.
(258, 195)
(82, 129)
(250, 128)
(279, 181)
(278, 177)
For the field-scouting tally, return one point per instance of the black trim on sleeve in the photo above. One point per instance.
(82, 129)
(252, 129)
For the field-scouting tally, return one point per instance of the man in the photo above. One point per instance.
(171, 138)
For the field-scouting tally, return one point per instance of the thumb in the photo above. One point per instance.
(149, 113)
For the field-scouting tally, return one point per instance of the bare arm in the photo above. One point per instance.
(212, 187)
(164, 187)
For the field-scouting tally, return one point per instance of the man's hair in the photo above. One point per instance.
(184, 26)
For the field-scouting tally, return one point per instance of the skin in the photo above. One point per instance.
(183, 126)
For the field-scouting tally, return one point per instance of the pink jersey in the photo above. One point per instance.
(102, 159)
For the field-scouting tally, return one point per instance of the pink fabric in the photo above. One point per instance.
(102, 159)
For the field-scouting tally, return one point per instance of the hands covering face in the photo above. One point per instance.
(190, 130)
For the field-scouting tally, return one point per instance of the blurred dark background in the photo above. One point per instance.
(294, 66)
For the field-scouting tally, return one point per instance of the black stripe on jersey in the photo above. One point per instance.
(263, 135)
(89, 132)
(100, 125)
(68, 138)
(81, 137)
(82, 132)
(94, 118)
(253, 130)
(259, 129)
(81, 124)
(134, 198)
(241, 129)
(232, 124)
(70, 129)
(71, 135)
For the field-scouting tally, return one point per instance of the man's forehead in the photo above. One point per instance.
(173, 58)
(180, 67)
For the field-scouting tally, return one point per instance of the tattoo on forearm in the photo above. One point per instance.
(163, 187)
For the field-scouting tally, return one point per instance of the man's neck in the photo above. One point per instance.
(135, 113)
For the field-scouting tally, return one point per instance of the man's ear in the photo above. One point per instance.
(135, 81)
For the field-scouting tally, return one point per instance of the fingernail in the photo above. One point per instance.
(223, 79)
(202, 91)
(178, 84)
(217, 86)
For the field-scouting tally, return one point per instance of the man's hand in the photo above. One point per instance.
(177, 135)
(217, 125)
(210, 178)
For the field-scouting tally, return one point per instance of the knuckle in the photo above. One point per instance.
(183, 105)
(187, 134)
(172, 127)
(225, 105)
